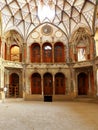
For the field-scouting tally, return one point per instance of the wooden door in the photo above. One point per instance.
(35, 53)
(14, 85)
(48, 84)
(36, 84)
(59, 84)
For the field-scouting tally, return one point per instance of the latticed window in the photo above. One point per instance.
(81, 54)
(47, 53)
(35, 53)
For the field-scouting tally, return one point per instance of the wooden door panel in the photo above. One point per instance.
(48, 85)
(36, 85)
(59, 85)
(83, 84)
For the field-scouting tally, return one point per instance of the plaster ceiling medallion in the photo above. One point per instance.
(47, 29)
(58, 33)
(35, 34)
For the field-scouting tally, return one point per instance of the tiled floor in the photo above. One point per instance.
(31, 115)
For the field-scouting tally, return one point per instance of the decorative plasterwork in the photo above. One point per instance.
(46, 30)
(22, 15)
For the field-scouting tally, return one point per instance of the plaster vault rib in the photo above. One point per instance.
(22, 15)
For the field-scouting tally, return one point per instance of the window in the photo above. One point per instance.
(81, 54)
(59, 52)
(35, 53)
(47, 53)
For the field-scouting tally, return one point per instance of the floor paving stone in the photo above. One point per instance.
(35, 115)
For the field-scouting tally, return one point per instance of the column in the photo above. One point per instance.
(42, 85)
(41, 51)
(53, 85)
(92, 47)
(8, 52)
(2, 83)
(23, 52)
(53, 49)
(28, 53)
(89, 83)
(3, 41)
(24, 80)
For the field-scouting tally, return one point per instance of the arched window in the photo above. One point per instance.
(35, 52)
(81, 53)
(47, 52)
(59, 52)
(15, 53)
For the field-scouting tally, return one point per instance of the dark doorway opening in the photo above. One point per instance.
(47, 98)
(83, 84)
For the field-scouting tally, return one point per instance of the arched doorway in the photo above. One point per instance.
(36, 83)
(83, 84)
(48, 87)
(59, 83)
(14, 85)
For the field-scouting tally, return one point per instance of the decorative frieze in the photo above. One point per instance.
(12, 64)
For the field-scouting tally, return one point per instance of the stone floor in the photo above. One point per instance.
(32, 115)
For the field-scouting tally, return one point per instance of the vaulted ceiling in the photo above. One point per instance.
(22, 15)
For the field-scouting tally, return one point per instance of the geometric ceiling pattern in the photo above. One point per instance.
(23, 15)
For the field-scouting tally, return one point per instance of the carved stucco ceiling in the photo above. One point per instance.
(22, 15)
